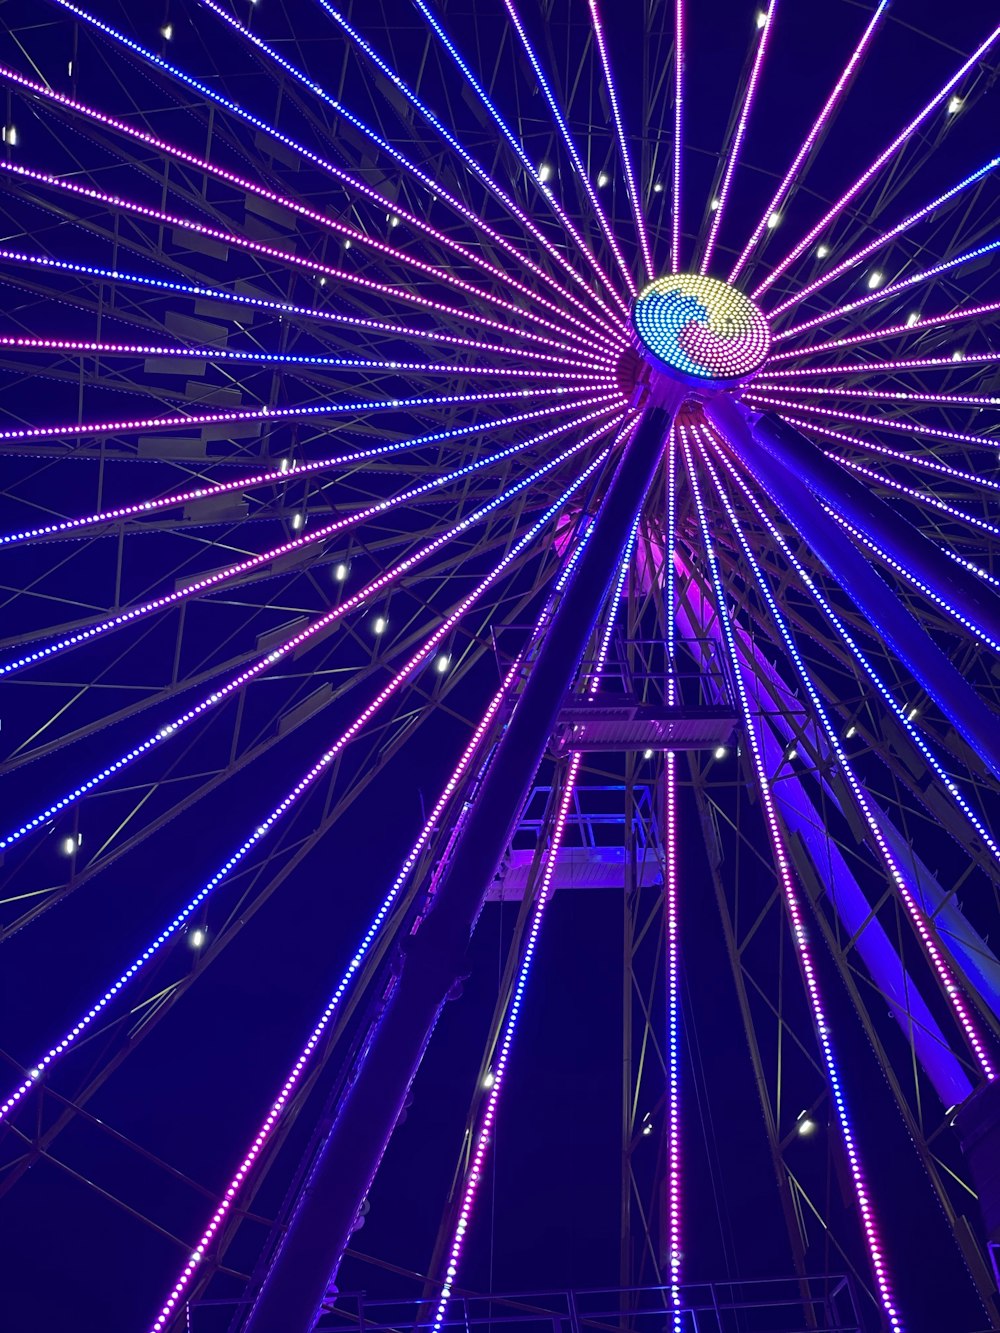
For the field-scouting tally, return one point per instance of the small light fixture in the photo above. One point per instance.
(954, 105)
(167, 32)
(10, 137)
(647, 754)
(822, 251)
(69, 845)
(851, 732)
(790, 753)
(657, 187)
(489, 1078)
(381, 625)
(602, 179)
(647, 1129)
(773, 220)
(805, 1125)
(395, 220)
(956, 356)
(197, 937)
(297, 521)
(544, 172)
(714, 205)
(913, 714)
(442, 664)
(720, 752)
(875, 279)
(347, 242)
(341, 572)
(911, 319)
(761, 18)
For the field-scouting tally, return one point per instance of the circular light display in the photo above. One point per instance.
(700, 327)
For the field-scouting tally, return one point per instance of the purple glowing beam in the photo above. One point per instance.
(921, 926)
(854, 190)
(634, 197)
(870, 368)
(302, 786)
(896, 395)
(287, 470)
(923, 497)
(914, 325)
(768, 401)
(578, 241)
(741, 128)
(206, 583)
(812, 138)
(571, 147)
(796, 914)
(680, 55)
(584, 335)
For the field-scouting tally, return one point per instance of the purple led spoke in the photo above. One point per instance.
(880, 241)
(906, 573)
(896, 395)
(204, 90)
(304, 783)
(901, 714)
(484, 1134)
(571, 148)
(218, 578)
(130, 425)
(633, 194)
(284, 307)
(294, 206)
(349, 276)
(581, 245)
(280, 1103)
(769, 400)
(287, 471)
(870, 368)
(926, 935)
(741, 129)
(672, 906)
(796, 915)
(852, 192)
(811, 139)
(923, 497)
(880, 293)
(680, 54)
(911, 326)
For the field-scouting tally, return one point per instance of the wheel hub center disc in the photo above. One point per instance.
(700, 330)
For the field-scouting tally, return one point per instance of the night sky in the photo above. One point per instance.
(77, 1252)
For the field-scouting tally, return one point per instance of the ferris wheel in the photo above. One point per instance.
(453, 455)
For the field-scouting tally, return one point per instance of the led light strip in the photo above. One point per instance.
(633, 193)
(586, 337)
(820, 123)
(204, 90)
(285, 308)
(851, 193)
(484, 1134)
(289, 471)
(571, 148)
(680, 54)
(578, 240)
(924, 497)
(207, 582)
(675, 1159)
(861, 368)
(931, 945)
(741, 129)
(900, 713)
(768, 399)
(700, 327)
(895, 395)
(303, 785)
(796, 917)
(910, 327)
(170, 729)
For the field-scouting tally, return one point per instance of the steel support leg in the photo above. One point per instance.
(758, 446)
(435, 955)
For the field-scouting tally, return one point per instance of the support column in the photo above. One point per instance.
(757, 447)
(434, 958)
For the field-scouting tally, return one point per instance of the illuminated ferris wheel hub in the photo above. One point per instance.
(699, 331)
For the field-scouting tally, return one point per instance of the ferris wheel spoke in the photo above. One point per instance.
(796, 172)
(677, 174)
(903, 717)
(913, 327)
(567, 138)
(764, 30)
(532, 172)
(769, 401)
(793, 906)
(873, 369)
(926, 935)
(872, 247)
(876, 166)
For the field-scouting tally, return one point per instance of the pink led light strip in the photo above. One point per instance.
(741, 128)
(304, 783)
(484, 1134)
(767, 400)
(923, 497)
(924, 932)
(170, 729)
(894, 395)
(820, 123)
(796, 916)
(869, 368)
(484, 176)
(901, 714)
(571, 148)
(207, 582)
(877, 165)
(291, 472)
(913, 327)
(586, 335)
(675, 201)
(633, 193)
(367, 191)
(674, 1180)
(234, 417)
